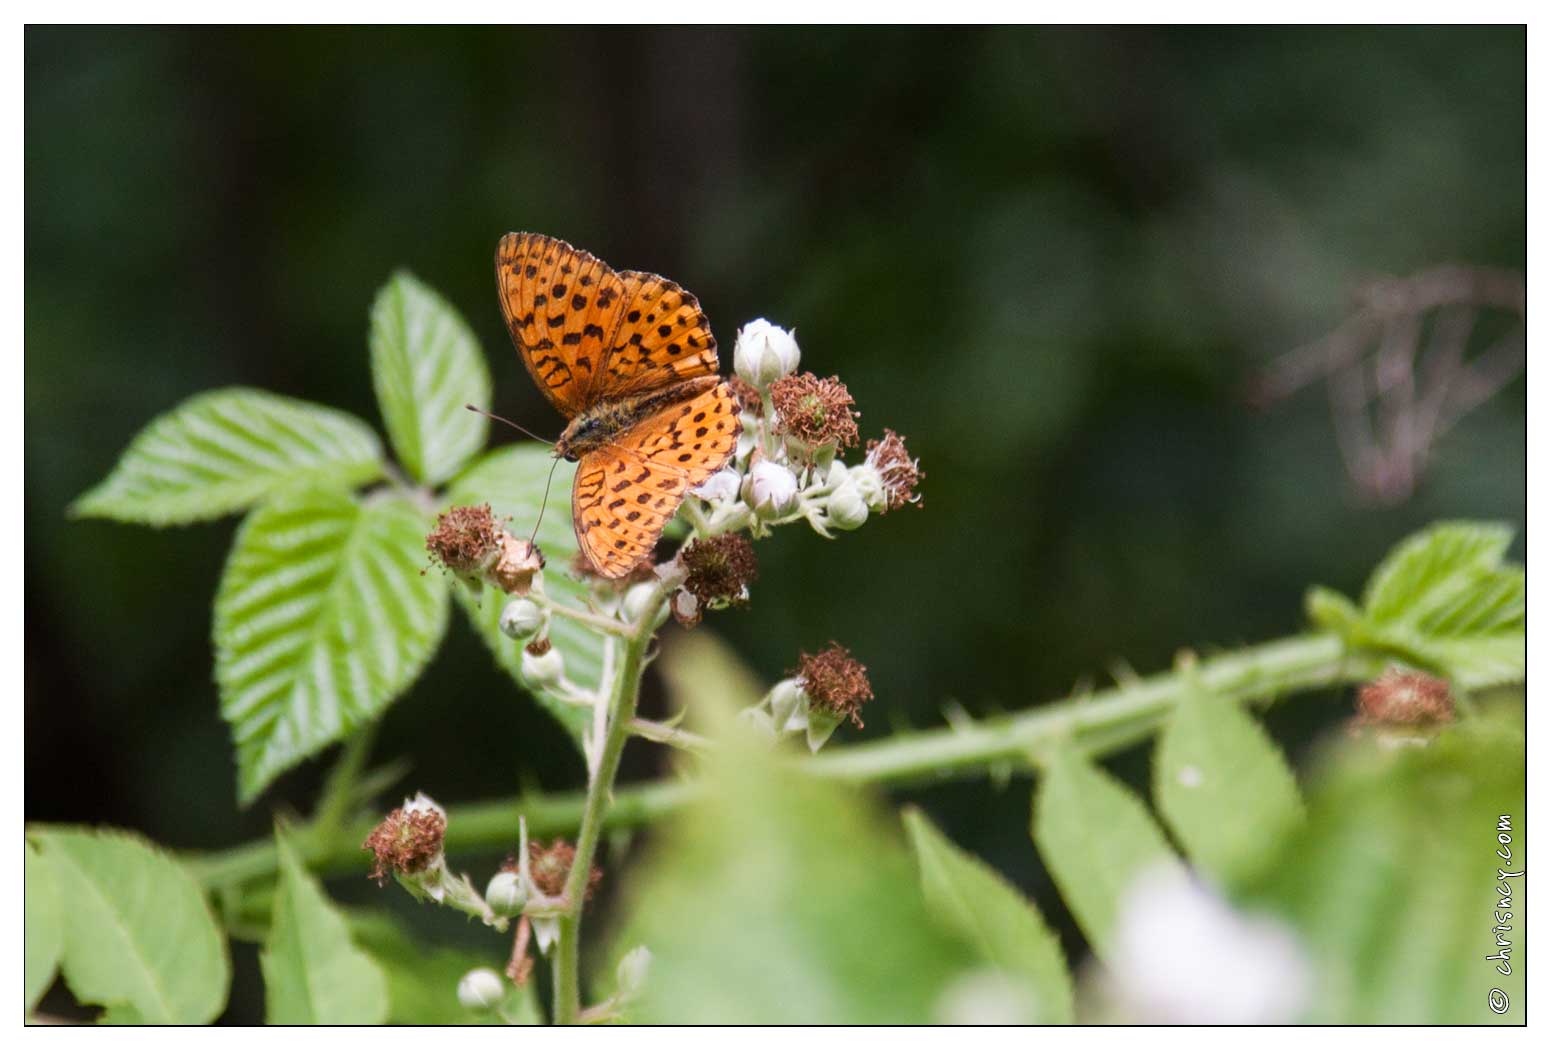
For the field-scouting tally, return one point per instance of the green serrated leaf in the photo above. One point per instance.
(512, 480)
(225, 450)
(1222, 786)
(779, 898)
(45, 926)
(1393, 881)
(323, 617)
(974, 901)
(426, 366)
(313, 975)
(1430, 566)
(137, 932)
(1095, 838)
(1444, 599)
(423, 980)
(1333, 612)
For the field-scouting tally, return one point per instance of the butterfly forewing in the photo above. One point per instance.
(562, 306)
(663, 337)
(625, 492)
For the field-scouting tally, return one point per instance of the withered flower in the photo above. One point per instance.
(898, 472)
(834, 681)
(466, 539)
(720, 568)
(408, 840)
(816, 412)
(1405, 698)
(550, 866)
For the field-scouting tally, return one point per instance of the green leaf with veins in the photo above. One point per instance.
(1443, 599)
(138, 935)
(313, 975)
(426, 366)
(225, 450)
(322, 619)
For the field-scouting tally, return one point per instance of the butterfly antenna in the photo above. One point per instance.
(545, 502)
(509, 423)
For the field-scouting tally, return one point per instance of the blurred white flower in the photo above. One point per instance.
(481, 989)
(764, 353)
(1183, 955)
(984, 997)
(771, 489)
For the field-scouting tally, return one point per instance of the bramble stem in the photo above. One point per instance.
(621, 712)
(1105, 722)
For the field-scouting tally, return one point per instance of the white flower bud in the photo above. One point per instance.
(771, 489)
(637, 599)
(481, 989)
(870, 484)
(522, 619)
(507, 894)
(631, 972)
(846, 508)
(723, 485)
(544, 670)
(764, 353)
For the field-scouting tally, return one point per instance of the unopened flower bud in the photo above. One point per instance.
(521, 619)
(507, 894)
(764, 353)
(771, 489)
(723, 485)
(870, 484)
(846, 507)
(542, 669)
(481, 989)
(637, 599)
(631, 972)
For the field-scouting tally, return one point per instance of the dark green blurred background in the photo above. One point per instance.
(1052, 259)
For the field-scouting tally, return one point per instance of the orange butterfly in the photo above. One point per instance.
(629, 359)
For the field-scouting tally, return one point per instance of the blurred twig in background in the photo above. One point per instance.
(1399, 369)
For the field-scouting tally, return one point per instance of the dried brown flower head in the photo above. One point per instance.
(519, 562)
(550, 866)
(747, 394)
(465, 538)
(834, 681)
(1405, 698)
(583, 569)
(899, 472)
(816, 412)
(406, 841)
(720, 568)
(538, 647)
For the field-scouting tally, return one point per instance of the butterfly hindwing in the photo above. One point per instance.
(626, 491)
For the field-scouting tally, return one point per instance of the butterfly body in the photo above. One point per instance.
(599, 425)
(628, 358)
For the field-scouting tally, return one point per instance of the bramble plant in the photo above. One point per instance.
(777, 887)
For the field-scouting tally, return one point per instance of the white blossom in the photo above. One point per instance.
(764, 353)
(1181, 954)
